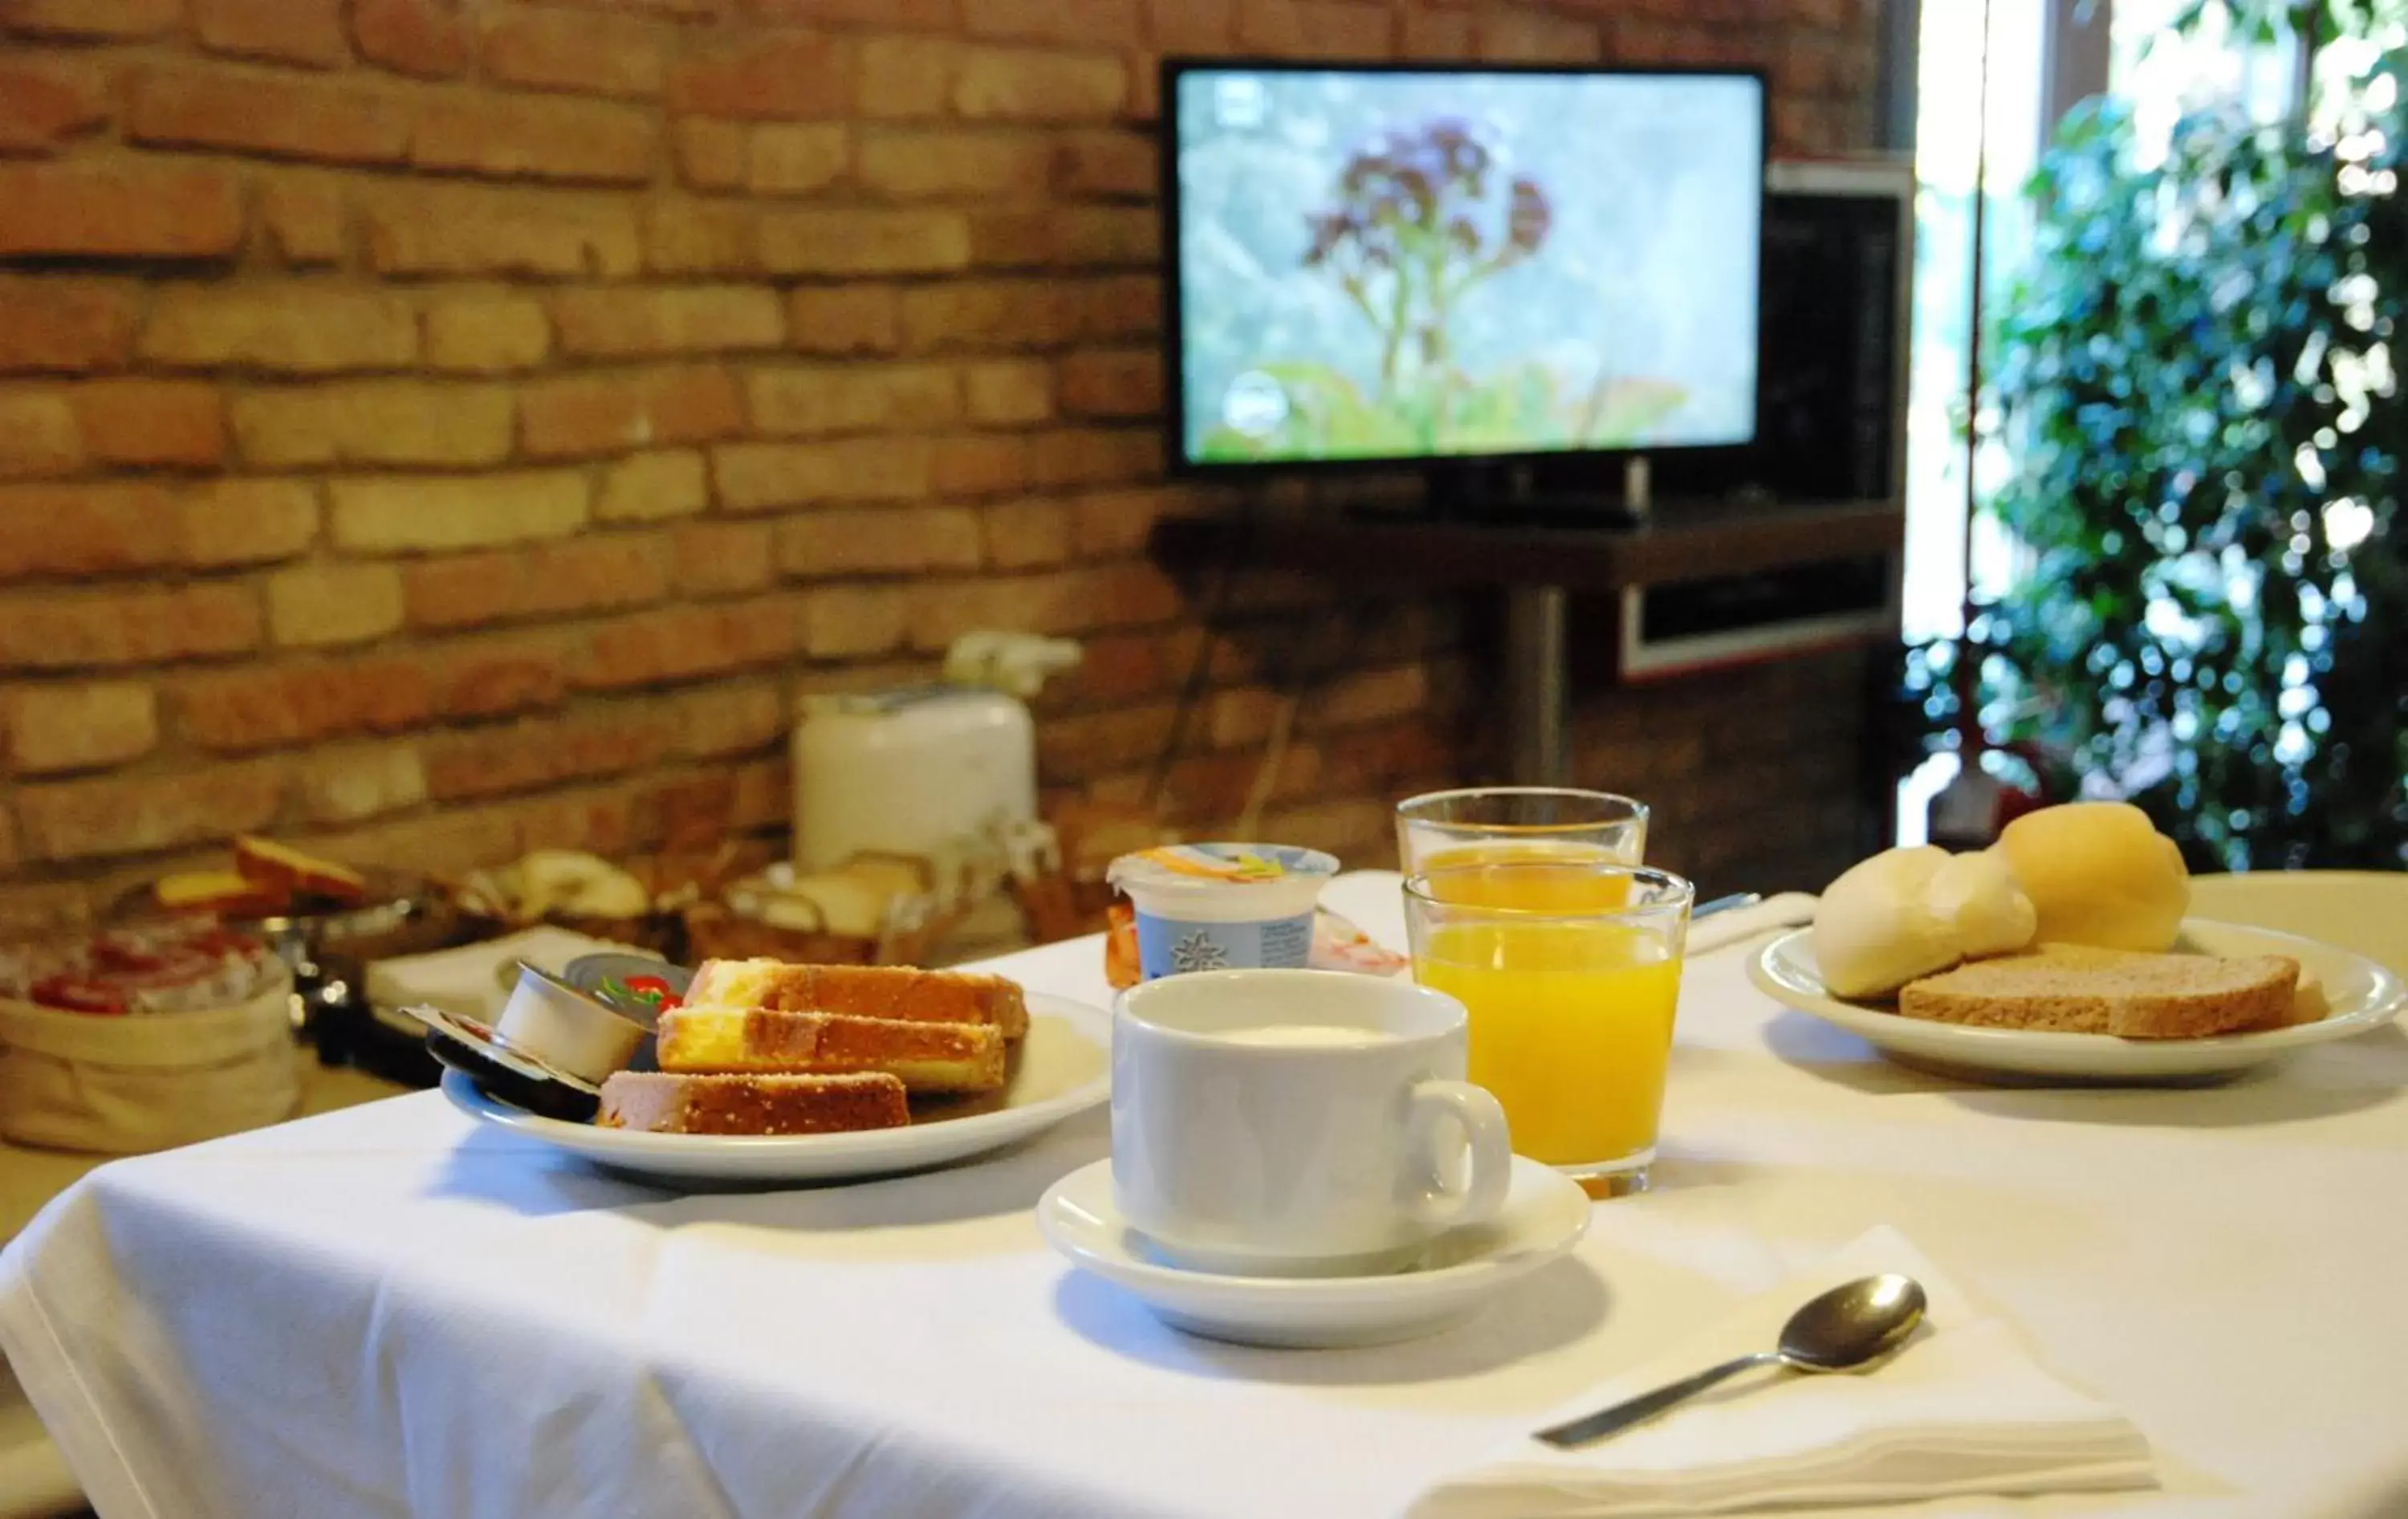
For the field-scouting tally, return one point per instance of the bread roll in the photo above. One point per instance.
(1908, 912)
(2099, 873)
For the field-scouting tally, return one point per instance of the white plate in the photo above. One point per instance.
(2360, 911)
(1063, 1068)
(1545, 1214)
(2363, 994)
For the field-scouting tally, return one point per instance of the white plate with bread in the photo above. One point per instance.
(2093, 1015)
(772, 1072)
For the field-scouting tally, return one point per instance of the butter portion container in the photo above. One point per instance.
(554, 1022)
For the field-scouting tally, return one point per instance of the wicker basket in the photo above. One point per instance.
(1068, 895)
(914, 924)
(663, 933)
(716, 931)
(1060, 905)
(486, 900)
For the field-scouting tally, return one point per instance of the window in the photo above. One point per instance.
(1949, 149)
(2043, 57)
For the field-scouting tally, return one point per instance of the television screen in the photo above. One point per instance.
(1403, 264)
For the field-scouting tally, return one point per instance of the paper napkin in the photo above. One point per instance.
(1963, 1410)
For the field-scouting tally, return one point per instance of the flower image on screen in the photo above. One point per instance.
(1398, 265)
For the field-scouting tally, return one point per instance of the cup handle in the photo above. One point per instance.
(1475, 1111)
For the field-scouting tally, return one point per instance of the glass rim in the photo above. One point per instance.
(1406, 809)
(1683, 894)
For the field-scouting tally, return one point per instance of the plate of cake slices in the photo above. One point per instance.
(774, 1072)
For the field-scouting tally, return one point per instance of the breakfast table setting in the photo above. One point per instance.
(1237, 1238)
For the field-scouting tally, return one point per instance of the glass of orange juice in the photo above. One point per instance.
(1505, 825)
(1569, 971)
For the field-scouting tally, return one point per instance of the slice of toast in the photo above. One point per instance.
(895, 991)
(291, 871)
(2063, 988)
(660, 1103)
(925, 1057)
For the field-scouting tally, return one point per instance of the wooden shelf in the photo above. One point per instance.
(1684, 541)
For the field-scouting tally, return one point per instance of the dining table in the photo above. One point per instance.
(396, 1310)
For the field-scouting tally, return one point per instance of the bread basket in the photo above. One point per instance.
(125, 1085)
(1062, 892)
(502, 900)
(770, 914)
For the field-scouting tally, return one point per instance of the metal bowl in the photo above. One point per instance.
(622, 981)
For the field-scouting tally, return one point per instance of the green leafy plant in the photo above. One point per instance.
(2196, 381)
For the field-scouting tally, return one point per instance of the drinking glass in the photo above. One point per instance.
(1505, 825)
(1569, 971)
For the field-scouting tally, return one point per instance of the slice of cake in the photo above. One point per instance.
(297, 874)
(900, 993)
(959, 1057)
(659, 1102)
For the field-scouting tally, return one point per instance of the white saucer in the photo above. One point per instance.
(2362, 994)
(1545, 1214)
(1062, 1068)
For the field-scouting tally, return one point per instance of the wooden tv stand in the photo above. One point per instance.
(1540, 568)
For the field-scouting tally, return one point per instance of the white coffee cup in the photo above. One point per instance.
(1298, 1123)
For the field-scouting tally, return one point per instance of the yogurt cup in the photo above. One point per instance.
(1222, 907)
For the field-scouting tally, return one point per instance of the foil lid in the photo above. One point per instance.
(1236, 864)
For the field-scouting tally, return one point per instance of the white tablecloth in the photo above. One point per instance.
(392, 1311)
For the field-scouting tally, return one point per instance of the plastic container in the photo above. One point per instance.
(563, 1026)
(916, 772)
(1222, 906)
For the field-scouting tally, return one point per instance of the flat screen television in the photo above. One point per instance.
(1491, 263)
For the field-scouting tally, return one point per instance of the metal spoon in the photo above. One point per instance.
(1849, 1329)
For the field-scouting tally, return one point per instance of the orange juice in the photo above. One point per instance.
(1571, 1025)
(1532, 876)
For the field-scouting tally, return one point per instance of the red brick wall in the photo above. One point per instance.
(435, 430)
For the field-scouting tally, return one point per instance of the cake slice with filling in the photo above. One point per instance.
(899, 993)
(957, 1057)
